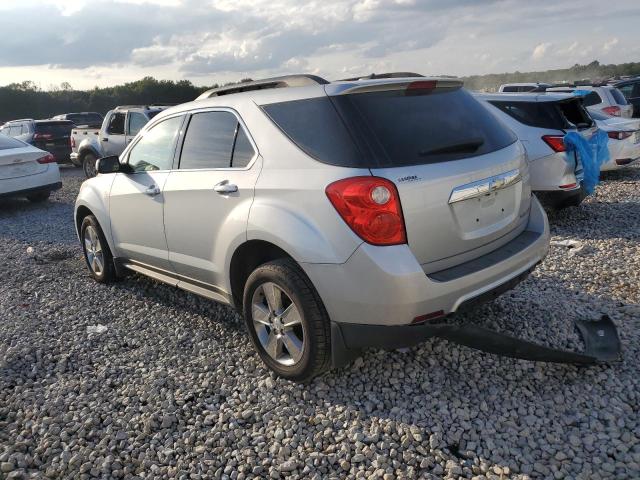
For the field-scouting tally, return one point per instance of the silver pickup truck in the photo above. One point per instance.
(119, 127)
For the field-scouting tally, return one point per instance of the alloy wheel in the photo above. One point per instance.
(278, 324)
(93, 250)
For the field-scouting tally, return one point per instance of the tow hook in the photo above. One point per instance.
(600, 338)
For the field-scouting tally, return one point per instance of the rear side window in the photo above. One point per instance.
(592, 99)
(209, 140)
(59, 129)
(618, 96)
(243, 151)
(314, 125)
(7, 143)
(136, 122)
(553, 115)
(391, 128)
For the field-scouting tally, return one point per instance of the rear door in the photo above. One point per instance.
(18, 159)
(207, 199)
(136, 198)
(461, 174)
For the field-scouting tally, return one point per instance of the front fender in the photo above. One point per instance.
(94, 195)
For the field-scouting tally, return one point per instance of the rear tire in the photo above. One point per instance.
(286, 321)
(39, 197)
(96, 250)
(89, 165)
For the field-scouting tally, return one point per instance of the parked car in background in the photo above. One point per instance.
(49, 135)
(631, 90)
(91, 119)
(26, 171)
(118, 128)
(335, 216)
(522, 87)
(606, 99)
(624, 140)
(541, 121)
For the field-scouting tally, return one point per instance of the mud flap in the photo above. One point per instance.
(600, 338)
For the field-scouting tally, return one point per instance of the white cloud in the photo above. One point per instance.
(540, 51)
(609, 44)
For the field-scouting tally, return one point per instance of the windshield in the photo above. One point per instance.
(391, 128)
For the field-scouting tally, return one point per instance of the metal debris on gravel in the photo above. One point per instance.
(173, 389)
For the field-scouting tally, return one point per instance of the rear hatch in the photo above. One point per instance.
(17, 159)
(461, 175)
(54, 137)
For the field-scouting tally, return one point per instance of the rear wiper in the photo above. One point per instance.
(469, 146)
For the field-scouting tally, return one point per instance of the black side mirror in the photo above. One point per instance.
(109, 164)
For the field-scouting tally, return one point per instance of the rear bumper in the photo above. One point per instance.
(20, 186)
(386, 286)
(550, 172)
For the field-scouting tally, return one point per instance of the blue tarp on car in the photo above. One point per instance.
(593, 153)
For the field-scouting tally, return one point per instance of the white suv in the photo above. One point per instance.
(334, 216)
(605, 99)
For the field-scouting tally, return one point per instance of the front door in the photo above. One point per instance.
(137, 200)
(113, 139)
(207, 199)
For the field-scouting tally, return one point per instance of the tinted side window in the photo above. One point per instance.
(208, 142)
(618, 96)
(116, 124)
(15, 130)
(136, 122)
(156, 148)
(592, 99)
(243, 151)
(534, 114)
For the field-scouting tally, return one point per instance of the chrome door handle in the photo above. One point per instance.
(152, 191)
(224, 187)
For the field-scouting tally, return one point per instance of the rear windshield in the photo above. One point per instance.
(391, 128)
(85, 118)
(7, 142)
(618, 96)
(592, 98)
(56, 129)
(554, 115)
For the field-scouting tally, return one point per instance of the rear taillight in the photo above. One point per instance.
(614, 111)
(72, 142)
(619, 135)
(371, 207)
(47, 159)
(42, 136)
(556, 142)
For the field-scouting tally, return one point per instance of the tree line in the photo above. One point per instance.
(27, 100)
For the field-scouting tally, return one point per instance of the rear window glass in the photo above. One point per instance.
(391, 128)
(85, 118)
(545, 114)
(7, 142)
(618, 96)
(54, 129)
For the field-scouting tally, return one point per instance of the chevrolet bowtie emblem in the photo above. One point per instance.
(485, 186)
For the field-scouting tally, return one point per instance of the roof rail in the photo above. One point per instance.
(275, 82)
(21, 120)
(373, 76)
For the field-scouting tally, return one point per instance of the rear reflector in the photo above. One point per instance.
(619, 135)
(569, 185)
(556, 142)
(72, 142)
(47, 159)
(614, 111)
(427, 317)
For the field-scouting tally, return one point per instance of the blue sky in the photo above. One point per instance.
(104, 42)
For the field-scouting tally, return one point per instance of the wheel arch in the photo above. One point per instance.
(245, 259)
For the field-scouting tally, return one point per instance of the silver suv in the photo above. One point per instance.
(334, 215)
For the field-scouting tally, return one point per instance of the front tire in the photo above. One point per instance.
(89, 165)
(96, 251)
(286, 321)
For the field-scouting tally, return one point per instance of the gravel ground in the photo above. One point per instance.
(172, 388)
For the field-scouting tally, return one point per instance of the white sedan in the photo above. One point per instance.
(26, 171)
(624, 140)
